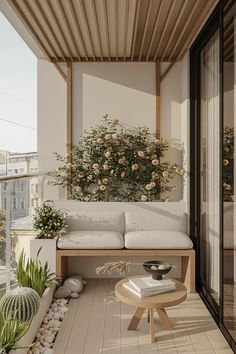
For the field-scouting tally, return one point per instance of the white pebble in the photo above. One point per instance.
(49, 351)
(74, 295)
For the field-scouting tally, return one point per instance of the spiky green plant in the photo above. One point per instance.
(24, 302)
(11, 330)
(32, 274)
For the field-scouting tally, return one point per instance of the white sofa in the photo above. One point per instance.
(126, 230)
(146, 229)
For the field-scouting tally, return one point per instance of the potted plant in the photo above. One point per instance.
(49, 223)
(31, 274)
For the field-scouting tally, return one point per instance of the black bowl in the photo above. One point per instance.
(156, 273)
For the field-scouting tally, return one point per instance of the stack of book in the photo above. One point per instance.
(147, 286)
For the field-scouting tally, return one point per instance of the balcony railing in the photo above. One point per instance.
(16, 208)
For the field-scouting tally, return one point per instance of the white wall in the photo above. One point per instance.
(123, 90)
(175, 121)
(51, 112)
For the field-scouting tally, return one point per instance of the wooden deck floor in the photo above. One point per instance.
(97, 323)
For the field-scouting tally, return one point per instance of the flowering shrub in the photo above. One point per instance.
(112, 163)
(228, 163)
(48, 221)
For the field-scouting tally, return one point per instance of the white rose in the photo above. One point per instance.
(99, 141)
(107, 154)
(182, 172)
(135, 167)
(115, 120)
(143, 198)
(78, 189)
(103, 188)
(165, 174)
(143, 130)
(112, 172)
(89, 177)
(105, 167)
(107, 136)
(95, 165)
(105, 181)
(114, 136)
(96, 172)
(141, 154)
(122, 174)
(155, 162)
(122, 160)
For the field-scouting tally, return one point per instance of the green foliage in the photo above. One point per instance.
(33, 275)
(11, 330)
(112, 163)
(24, 302)
(2, 238)
(48, 221)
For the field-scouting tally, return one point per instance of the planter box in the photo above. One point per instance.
(29, 337)
(48, 251)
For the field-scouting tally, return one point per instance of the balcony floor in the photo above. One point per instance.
(97, 323)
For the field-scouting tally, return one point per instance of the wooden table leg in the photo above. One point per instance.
(136, 318)
(165, 319)
(151, 325)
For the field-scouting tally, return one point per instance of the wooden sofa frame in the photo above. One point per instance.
(187, 260)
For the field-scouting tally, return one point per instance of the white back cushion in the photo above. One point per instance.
(156, 220)
(97, 221)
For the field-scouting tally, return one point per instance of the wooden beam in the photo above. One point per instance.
(67, 25)
(43, 32)
(77, 26)
(107, 28)
(154, 29)
(69, 124)
(183, 30)
(98, 28)
(38, 4)
(173, 30)
(145, 27)
(164, 28)
(59, 27)
(158, 99)
(196, 27)
(84, 13)
(26, 22)
(116, 28)
(61, 72)
(126, 28)
(136, 18)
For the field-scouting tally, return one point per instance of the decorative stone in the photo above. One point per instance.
(62, 292)
(74, 283)
(74, 295)
(49, 351)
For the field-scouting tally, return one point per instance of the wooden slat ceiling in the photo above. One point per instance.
(113, 30)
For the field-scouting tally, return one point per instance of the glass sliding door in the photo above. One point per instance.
(213, 166)
(210, 167)
(229, 172)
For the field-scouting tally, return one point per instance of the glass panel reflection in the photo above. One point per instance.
(229, 175)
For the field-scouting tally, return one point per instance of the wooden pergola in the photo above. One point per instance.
(112, 31)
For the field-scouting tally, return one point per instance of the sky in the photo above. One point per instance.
(18, 91)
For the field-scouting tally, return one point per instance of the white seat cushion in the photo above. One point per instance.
(157, 240)
(91, 240)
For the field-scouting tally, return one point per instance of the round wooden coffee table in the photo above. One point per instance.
(157, 302)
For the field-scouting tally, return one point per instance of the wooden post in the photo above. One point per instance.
(158, 99)
(69, 123)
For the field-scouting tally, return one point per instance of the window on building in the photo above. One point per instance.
(21, 170)
(32, 202)
(13, 203)
(22, 186)
(22, 203)
(36, 202)
(5, 186)
(16, 170)
(4, 203)
(32, 188)
(36, 188)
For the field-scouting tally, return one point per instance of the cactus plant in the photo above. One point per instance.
(24, 302)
